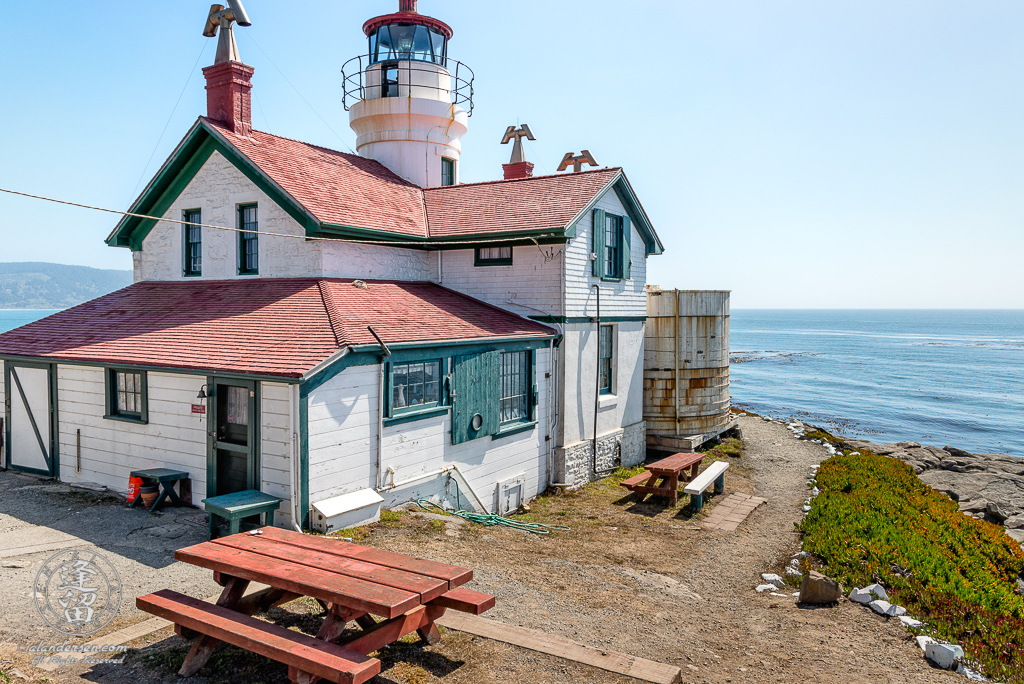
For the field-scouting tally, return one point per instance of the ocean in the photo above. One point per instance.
(937, 377)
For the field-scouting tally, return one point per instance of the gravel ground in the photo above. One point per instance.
(640, 578)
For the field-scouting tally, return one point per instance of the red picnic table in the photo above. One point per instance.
(354, 583)
(668, 471)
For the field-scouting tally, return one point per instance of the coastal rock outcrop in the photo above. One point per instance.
(988, 486)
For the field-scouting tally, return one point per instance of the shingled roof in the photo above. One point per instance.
(270, 327)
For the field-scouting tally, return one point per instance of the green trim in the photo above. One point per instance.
(338, 366)
(109, 386)
(303, 456)
(152, 369)
(186, 244)
(611, 279)
(588, 319)
(423, 350)
(514, 428)
(412, 416)
(638, 216)
(254, 447)
(477, 261)
(240, 243)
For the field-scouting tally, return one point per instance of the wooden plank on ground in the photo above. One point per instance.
(301, 579)
(320, 658)
(620, 663)
(427, 587)
(453, 574)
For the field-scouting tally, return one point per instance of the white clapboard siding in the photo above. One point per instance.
(622, 298)
(342, 442)
(275, 447)
(529, 286)
(173, 438)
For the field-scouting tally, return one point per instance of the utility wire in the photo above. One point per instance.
(389, 243)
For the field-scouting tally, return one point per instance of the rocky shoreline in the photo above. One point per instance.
(986, 486)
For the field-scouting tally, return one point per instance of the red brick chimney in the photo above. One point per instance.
(523, 169)
(228, 98)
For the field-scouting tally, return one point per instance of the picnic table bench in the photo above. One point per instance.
(354, 582)
(668, 471)
(714, 473)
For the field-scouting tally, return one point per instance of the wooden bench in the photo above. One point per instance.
(714, 473)
(305, 653)
(165, 479)
(234, 507)
(668, 471)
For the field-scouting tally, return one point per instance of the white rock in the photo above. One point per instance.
(796, 593)
(880, 607)
(793, 572)
(771, 577)
(815, 467)
(878, 590)
(923, 641)
(777, 594)
(765, 587)
(910, 622)
(807, 509)
(800, 554)
(855, 453)
(961, 669)
(795, 563)
(815, 492)
(943, 655)
(896, 611)
(862, 596)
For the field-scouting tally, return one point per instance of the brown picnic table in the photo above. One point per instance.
(354, 583)
(668, 471)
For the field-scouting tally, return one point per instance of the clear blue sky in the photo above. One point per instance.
(853, 153)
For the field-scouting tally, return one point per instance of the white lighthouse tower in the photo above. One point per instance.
(408, 102)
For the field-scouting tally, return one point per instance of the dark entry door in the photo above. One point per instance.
(29, 413)
(232, 465)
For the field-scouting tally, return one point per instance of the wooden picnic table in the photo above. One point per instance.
(667, 470)
(354, 583)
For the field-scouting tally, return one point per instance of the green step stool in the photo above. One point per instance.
(238, 505)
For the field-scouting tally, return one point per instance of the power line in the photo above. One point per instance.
(388, 243)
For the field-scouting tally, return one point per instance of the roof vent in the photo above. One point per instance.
(408, 6)
(577, 161)
(359, 284)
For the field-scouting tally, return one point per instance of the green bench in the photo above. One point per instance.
(238, 505)
(165, 479)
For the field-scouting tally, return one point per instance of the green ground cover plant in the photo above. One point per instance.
(875, 521)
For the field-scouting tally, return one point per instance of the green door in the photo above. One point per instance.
(233, 452)
(475, 396)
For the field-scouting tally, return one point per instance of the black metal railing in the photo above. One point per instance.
(354, 85)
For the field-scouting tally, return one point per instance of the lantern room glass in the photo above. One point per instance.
(408, 42)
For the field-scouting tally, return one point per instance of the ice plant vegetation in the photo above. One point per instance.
(875, 521)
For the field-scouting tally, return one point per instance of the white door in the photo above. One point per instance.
(29, 418)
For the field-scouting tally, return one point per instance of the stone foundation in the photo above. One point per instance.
(624, 447)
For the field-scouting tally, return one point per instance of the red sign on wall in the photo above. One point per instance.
(198, 408)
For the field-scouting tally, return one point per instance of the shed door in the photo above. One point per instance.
(27, 398)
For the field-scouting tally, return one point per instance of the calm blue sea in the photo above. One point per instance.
(938, 377)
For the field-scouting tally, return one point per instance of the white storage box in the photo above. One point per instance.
(347, 510)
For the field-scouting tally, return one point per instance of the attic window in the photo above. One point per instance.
(493, 256)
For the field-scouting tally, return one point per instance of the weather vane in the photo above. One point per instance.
(227, 49)
(517, 147)
(577, 161)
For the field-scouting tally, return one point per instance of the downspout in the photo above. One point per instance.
(597, 381)
(675, 366)
(293, 475)
(380, 405)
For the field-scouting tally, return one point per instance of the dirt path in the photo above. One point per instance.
(643, 579)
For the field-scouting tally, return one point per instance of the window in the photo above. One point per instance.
(127, 395)
(408, 41)
(248, 240)
(389, 80)
(193, 261)
(607, 339)
(515, 386)
(447, 171)
(612, 249)
(415, 386)
(493, 256)
(611, 254)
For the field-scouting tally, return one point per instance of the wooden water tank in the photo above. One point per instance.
(686, 367)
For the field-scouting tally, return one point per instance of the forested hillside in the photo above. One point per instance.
(36, 285)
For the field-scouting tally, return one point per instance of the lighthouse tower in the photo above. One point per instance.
(408, 102)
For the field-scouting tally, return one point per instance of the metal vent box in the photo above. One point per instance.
(346, 511)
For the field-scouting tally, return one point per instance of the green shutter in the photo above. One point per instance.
(598, 242)
(534, 395)
(477, 383)
(627, 257)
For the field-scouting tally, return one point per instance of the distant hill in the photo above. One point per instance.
(37, 285)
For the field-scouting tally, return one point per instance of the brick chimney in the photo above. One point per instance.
(407, 6)
(228, 98)
(522, 169)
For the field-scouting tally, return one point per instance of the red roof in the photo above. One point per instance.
(350, 190)
(339, 188)
(537, 203)
(277, 327)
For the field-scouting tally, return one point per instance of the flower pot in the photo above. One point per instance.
(149, 495)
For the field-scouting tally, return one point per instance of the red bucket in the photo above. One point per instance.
(134, 485)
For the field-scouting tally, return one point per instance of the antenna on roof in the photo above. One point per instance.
(517, 147)
(577, 161)
(227, 49)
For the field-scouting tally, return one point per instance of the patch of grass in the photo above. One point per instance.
(437, 525)
(4, 678)
(874, 517)
(823, 436)
(389, 517)
(353, 533)
(730, 446)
